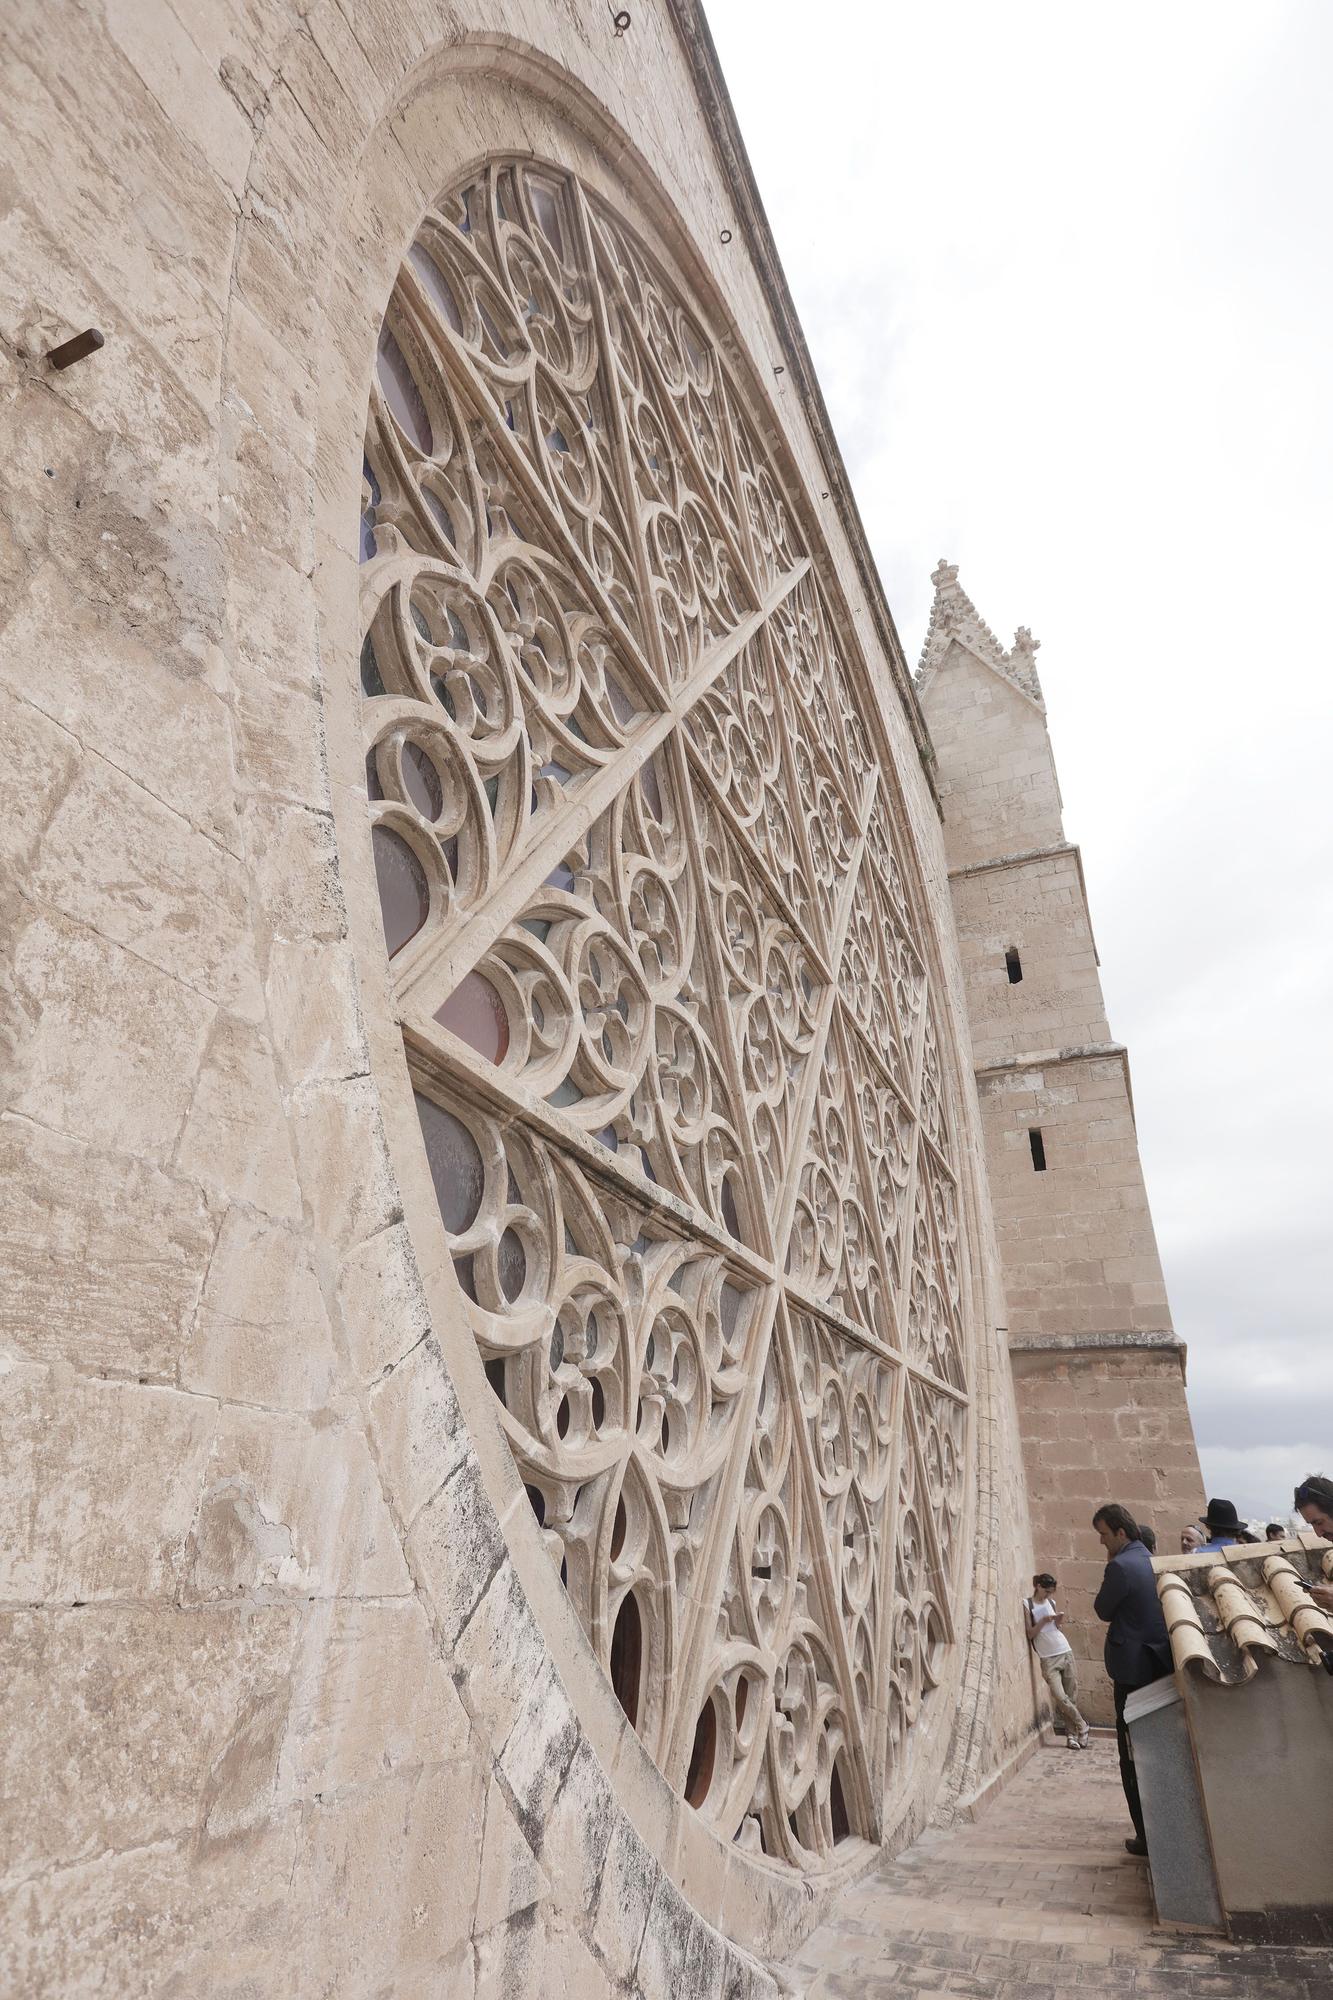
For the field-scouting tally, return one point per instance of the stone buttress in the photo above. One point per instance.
(1099, 1373)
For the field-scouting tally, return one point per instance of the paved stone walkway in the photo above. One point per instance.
(1037, 1900)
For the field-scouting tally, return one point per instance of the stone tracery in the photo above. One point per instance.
(679, 1076)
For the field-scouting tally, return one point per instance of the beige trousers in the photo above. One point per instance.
(1063, 1684)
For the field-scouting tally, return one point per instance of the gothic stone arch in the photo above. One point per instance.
(703, 1341)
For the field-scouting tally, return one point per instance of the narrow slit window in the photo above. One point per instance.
(1013, 965)
(1038, 1146)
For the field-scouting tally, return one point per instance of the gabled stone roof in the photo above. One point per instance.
(954, 616)
(1227, 1608)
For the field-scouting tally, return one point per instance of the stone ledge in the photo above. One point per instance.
(1023, 858)
(1050, 1058)
(1063, 1343)
(974, 1805)
(1126, 1340)
(1016, 860)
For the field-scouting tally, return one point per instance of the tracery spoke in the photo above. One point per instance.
(448, 954)
(788, 1153)
(515, 466)
(691, 391)
(620, 441)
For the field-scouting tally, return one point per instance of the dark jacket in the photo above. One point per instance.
(1137, 1647)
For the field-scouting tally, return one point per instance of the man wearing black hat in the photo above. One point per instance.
(1137, 1649)
(1223, 1525)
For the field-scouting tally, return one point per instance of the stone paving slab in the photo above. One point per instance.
(1036, 1901)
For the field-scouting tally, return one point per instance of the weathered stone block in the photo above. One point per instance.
(348, 1184)
(123, 1724)
(496, 1640)
(382, 1305)
(82, 1009)
(539, 1750)
(398, 1861)
(102, 669)
(417, 1428)
(170, 258)
(109, 1285)
(280, 748)
(236, 1139)
(291, 1506)
(314, 1011)
(211, 1916)
(511, 1881)
(370, 1694)
(41, 762)
(98, 1486)
(294, 867)
(577, 1830)
(680, 1953)
(625, 1894)
(261, 1334)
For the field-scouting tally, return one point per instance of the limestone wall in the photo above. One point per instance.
(1102, 1426)
(278, 1714)
(1038, 909)
(1098, 1373)
(1077, 1239)
(997, 782)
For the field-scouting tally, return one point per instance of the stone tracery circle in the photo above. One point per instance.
(645, 902)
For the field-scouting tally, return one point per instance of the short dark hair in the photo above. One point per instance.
(1148, 1536)
(1117, 1518)
(1275, 1531)
(1315, 1491)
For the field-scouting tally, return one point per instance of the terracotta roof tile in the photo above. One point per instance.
(1227, 1608)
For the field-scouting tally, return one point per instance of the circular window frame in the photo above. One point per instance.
(764, 1901)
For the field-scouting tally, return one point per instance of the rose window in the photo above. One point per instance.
(658, 963)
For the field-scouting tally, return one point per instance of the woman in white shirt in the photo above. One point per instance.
(1047, 1640)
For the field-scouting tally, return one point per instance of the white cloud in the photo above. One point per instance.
(1260, 1479)
(1066, 280)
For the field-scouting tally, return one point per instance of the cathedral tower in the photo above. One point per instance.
(1099, 1374)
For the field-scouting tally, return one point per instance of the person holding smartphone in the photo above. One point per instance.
(1046, 1637)
(1314, 1504)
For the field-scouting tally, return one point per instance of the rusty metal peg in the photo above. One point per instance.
(78, 348)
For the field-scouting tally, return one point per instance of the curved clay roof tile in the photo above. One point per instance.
(1223, 1613)
(1189, 1645)
(1313, 1627)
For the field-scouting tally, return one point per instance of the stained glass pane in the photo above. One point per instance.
(475, 1013)
(401, 393)
(455, 1164)
(404, 895)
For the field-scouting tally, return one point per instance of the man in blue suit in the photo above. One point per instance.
(1137, 1647)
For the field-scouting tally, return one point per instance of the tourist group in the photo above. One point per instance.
(1137, 1649)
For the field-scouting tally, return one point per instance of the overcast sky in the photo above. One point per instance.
(1065, 274)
